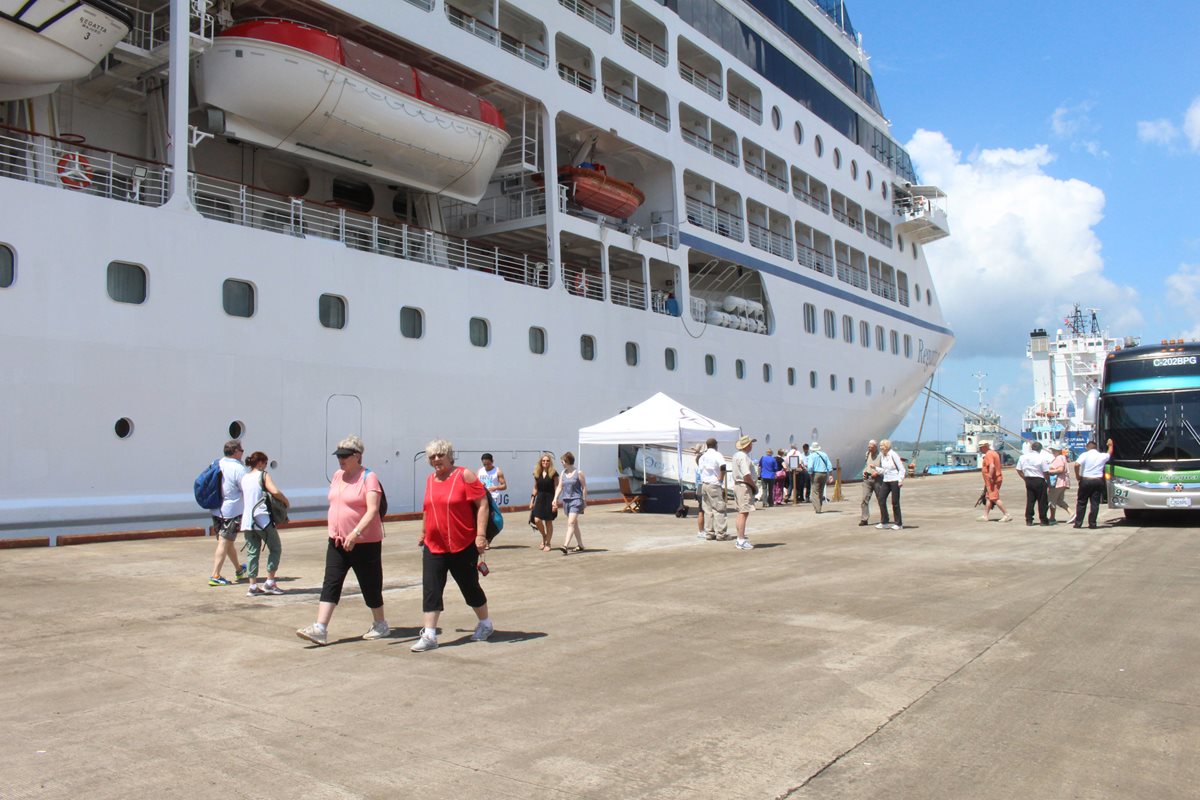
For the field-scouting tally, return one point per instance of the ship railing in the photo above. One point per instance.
(628, 293)
(68, 163)
(582, 282)
(902, 295)
(848, 273)
(710, 147)
(576, 78)
(810, 198)
(713, 219)
(745, 108)
(631, 106)
(665, 233)
(255, 207)
(514, 46)
(766, 239)
(151, 28)
(601, 19)
(524, 204)
(521, 153)
(843, 217)
(493, 35)
(424, 5)
(883, 288)
(701, 81)
(643, 45)
(814, 259)
(766, 176)
(879, 236)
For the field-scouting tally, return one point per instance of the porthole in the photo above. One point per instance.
(776, 118)
(832, 382)
(830, 324)
(791, 375)
(812, 379)
(853, 170)
(883, 189)
(868, 388)
(837, 158)
(900, 243)
(818, 145)
(928, 298)
(739, 369)
(537, 341)
(237, 297)
(766, 373)
(798, 132)
(669, 358)
(848, 328)
(870, 180)
(908, 350)
(879, 345)
(8, 266)
(412, 323)
(587, 347)
(914, 250)
(895, 340)
(917, 292)
(864, 333)
(631, 354)
(479, 332)
(126, 282)
(710, 364)
(331, 311)
(124, 428)
(850, 384)
(237, 429)
(810, 318)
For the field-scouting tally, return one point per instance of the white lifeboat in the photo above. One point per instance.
(46, 42)
(292, 87)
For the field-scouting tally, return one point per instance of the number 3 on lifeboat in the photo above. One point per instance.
(75, 171)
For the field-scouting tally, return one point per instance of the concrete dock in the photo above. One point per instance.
(954, 659)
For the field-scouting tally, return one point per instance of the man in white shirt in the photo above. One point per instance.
(228, 519)
(1089, 469)
(712, 492)
(1033, 466)
(744, 486)
(493, 480)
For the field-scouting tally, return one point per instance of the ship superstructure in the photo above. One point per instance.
(491, 220)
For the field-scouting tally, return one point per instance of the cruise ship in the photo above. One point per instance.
(494, 221)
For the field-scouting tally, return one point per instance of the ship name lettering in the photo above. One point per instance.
(1175, 361)
(925, 355)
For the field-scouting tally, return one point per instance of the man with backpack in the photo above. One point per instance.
(228, 518)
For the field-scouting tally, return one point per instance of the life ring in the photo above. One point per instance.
(75, 171)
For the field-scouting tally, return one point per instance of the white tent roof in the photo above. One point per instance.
(659, 420)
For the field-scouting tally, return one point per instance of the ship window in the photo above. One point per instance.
(837, 158)
(331, 310)
(631, 354)
(354, 195)
(850, 384)
(830, 324)
(126, 282)
(537, 340)
(895, 337)
(710, 364)
(832, 382)
(883, 189)
(812, 379)
(587, 347)
(870, 180)
(480, 332)
(739, 369)
(8, 266)
(776, 117)
(798, 132)
(848, 328)
(868, 388)
(123, 428)
(818, 145)
(766, 373)
(928, 298)
(237, 429)
(791, 376)
(412, 323)
(914, 250)
(810, 318)
(879, 345)
(669, 358)
(238, 298)
(864, 333)
(900, 243)
(907, 346)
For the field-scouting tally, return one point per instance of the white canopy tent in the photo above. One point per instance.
(658, 420)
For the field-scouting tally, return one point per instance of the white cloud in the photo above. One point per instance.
(1072, 124)
(1165, 133)
(1191, 124)
(1022, 247)
(1183, 286)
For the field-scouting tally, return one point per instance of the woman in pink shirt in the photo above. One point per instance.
(1061, 481)
(355, 542)
(454, 534)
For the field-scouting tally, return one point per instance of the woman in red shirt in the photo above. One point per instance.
(455, 533)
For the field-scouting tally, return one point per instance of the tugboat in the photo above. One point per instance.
(978, 426)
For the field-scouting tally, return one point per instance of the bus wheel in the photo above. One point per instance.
(1135, 513)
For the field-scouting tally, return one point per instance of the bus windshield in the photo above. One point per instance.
(1158, 426)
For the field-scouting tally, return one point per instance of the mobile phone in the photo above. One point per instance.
(483, 568)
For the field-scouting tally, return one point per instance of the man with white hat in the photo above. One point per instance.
(993, 477)
(1059, 481)
(744, 486)
(819, 468)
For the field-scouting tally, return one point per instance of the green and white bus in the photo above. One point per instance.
(1149, 405)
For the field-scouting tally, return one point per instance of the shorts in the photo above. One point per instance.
(993, 492)
(743, 498)
(227, 528)
(572, 505)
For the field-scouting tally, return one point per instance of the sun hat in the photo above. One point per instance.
(744, 442)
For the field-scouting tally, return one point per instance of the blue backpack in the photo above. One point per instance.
(208, 487)
(495, 522)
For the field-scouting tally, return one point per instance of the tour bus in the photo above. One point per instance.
(1149, 405)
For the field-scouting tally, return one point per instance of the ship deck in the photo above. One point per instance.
(954, 659)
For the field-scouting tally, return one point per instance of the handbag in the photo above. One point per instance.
(276, 510)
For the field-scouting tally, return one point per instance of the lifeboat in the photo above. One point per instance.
(288, 86)
(43, 44)
(592, 188)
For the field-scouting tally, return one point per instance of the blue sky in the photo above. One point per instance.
(1067, 135)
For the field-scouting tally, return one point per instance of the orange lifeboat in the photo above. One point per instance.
(593, 188)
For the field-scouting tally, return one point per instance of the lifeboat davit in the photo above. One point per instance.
(591, 187)
(46, 42)
(292, 87)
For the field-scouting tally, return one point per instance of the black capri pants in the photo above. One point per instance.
(463, 565)
(367, 562)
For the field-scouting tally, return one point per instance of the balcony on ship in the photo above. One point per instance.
(503, 26)
(745, 97)
(714, 207)
(878, 229)
(700, 69)
(576, 64)
(634, 95)
(814, 249)
(922, 212)
(851, 265)
(582, 269)
(882, 278)
(627, 278)
(809, 190)
(599, 13)
(727, 294)
(707, 135)
(643, 33)
(765, 165)
(769, 230)
(846, 211)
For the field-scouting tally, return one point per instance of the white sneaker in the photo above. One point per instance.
(255, 591)
(483, 631)
(379, 630)
(701, 535)
(271, 588)
(743, 544)
(881, 526)
(984, 518)
(313, 635)
(426, 642)
(1006, 518)
(896, 527)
